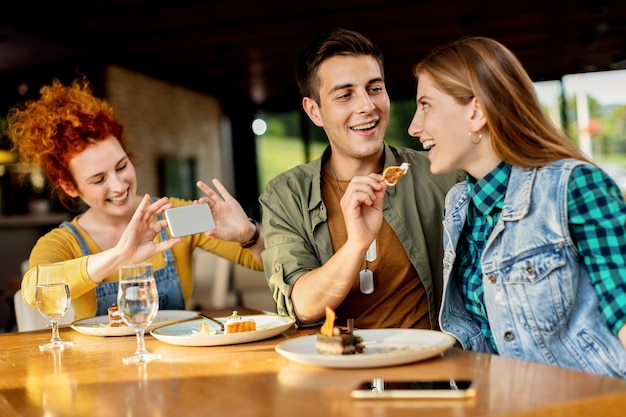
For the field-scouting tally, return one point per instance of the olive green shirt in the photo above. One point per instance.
(297, 238)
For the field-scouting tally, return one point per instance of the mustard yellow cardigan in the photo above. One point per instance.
(60, 245)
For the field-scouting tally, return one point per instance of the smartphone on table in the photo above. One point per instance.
(379, 388)
(189, 219)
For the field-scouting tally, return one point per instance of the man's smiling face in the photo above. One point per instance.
(353, 107)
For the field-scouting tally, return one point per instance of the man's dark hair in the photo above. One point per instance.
(326, 45)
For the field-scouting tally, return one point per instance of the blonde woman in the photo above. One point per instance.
(535, 238)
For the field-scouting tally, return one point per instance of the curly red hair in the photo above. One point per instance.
(63, 122)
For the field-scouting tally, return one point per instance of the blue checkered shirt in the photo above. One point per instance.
(597, 221)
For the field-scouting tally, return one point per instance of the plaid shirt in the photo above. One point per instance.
(597, 222)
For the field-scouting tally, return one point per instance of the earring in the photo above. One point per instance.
(480, 137)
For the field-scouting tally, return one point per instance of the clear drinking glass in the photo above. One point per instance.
(138, 302)
(53, 299)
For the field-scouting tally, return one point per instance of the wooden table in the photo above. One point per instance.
(252, 380)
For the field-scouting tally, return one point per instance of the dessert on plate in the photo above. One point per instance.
(236, 324)
(205, 329)
(115, 318)
(334, 340)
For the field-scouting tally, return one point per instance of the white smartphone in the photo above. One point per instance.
(378, 388)
(189, 219)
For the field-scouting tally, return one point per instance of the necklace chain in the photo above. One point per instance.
(336, 180)
(366, 276)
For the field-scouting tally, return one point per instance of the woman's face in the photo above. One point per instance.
(442, 126)
(105, 178)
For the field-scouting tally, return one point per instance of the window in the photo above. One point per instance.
(590, 107)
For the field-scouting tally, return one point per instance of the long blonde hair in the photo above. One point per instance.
(521, 132)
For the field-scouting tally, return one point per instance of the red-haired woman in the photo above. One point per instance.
(75, 138)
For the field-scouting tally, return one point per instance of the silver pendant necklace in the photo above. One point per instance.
(366, 276)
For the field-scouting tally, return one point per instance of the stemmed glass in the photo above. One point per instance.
(138, 302)
(53, 299)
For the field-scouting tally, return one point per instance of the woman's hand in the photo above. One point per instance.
(137, 243)
(231, 221)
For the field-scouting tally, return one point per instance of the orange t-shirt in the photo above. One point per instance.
(399, 298)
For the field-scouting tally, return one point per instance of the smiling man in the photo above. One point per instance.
(335, 234)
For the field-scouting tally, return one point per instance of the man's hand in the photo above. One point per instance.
(362, 207)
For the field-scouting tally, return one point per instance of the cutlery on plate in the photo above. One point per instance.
(197, 317)
(221, 324)
(165, 322)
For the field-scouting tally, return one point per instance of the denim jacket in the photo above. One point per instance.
(539, 298)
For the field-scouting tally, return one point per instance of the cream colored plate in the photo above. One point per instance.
(383, 347)
(186, 334)
(99, 325)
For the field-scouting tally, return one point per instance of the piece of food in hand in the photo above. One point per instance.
(392, 174)
(334, 340)
(237, 324)
(115, 318)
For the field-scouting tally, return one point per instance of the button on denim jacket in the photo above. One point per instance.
(538, 295)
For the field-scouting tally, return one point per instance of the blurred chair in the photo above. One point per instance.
(29, 318)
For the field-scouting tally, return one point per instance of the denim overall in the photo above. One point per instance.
(167, 281)
(538, 294)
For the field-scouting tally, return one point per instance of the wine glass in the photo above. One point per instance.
(138, 302)
(53, 299)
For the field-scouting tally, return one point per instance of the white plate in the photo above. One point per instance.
(186, 334)
(383, 347)
(99, 325)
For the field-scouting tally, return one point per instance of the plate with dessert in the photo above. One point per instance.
(113, 325)
(346, 347)
(236, 329)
